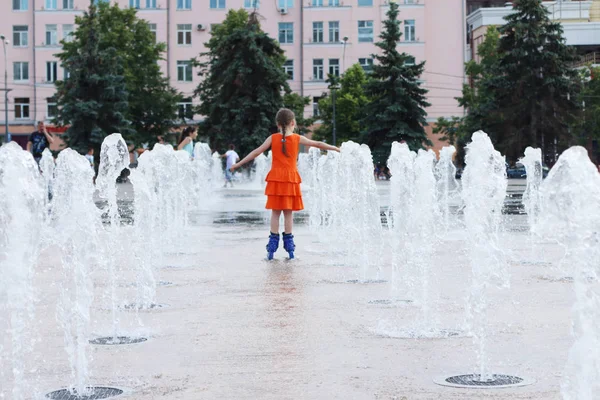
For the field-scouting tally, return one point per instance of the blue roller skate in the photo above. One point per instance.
(272, 245)
(288, 244)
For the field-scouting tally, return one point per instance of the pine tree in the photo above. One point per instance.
(92, 102)
(243, 84)
(397, 109)
(534, 87)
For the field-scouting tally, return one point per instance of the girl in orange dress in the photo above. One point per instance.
(283, 181)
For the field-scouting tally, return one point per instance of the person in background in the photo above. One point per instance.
(232, 158)
(39, 141)
(90, 156)
(186, 141)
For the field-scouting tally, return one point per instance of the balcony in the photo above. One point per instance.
(588, 59)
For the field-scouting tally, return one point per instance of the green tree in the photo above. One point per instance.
(297, 104)
(152, 101)
(397, 110)
(587, 128)
(243, 84)
(92, 102)
(534, 87)
(350, 101)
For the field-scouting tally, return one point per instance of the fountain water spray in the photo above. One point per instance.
(22, 200)
(484, 189)
(446, 186)
(77, 222)
(570, 200)
(260, 171)
(531, 198)
(202, 166)
(47, 168)
(217, 170)
(114, 157)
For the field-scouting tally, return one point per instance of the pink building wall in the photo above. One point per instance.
(439, 40)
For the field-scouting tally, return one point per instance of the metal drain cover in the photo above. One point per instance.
(368, 281)
(474, 381)
(141, 307)
(111, 340)
(92, 393)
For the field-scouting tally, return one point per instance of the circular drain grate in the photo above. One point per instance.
(474, 381)
(366, 281)
(93, 393)
(111, 340)
(141, 307)
(164, 283)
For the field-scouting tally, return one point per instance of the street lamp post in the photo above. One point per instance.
(6, 132)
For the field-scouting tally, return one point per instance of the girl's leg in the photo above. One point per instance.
(288, 221)
(275, 214)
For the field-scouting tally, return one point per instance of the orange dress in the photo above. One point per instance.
(283, 181)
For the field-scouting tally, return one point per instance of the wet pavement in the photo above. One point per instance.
(234, 326)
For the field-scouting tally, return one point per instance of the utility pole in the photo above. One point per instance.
(6, 132)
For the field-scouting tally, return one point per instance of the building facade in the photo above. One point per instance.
(318, 36)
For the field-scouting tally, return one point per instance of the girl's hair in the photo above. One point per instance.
(284, 119)
(186, 132)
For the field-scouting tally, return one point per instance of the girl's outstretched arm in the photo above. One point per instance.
(253, 154)
(319, 145)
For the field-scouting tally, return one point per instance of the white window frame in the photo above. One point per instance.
(66, 73)
(182, 106)
(184, 67)
(22, 106)
(68, 5)
(285, 4)
(318, 35)
(51, 71)
(288, 68)
(334, 3)
(287, 29)
(365, 31)
(316, 111)
(217, 4)
(251, 4)
(134, 3)
(51, 102)
(317, 3)
(366, 63)
(23, 67)
(414, 61)
(68, 30)
(184, 4)
(51, 35)
(410, 30)
(318, 69)
(51, 4)
(151, 4)
(334, 31)
(23, 5)
(334, 66)
(22, 35)
(365, 3)
(152, 28)
(184, 32)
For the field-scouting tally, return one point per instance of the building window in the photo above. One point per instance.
(334, 3)
(185, 109)
(66, 74)
(288, 68)
(51, 71)
(184, 71)
(334, 31)
(318, 69)
(22, 107)
(409, 1)
(317, 32)
(184, 34)
(184, 4)
(50, 4)
(317, 3)
(51, 107)
(21, 71)
(150, 3)
(365, 31)
(334, 66)
(20, 35)
(67, 32)
(409, 30)
(285, 3)
(286, 32)
(68, 5)
(251, 3)
(20, 5)
(316, 111)
(365, 3)
(134, 3)
(410, 61)
(152, 28)
(217, 3)
(366, 64)
(51, 35)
